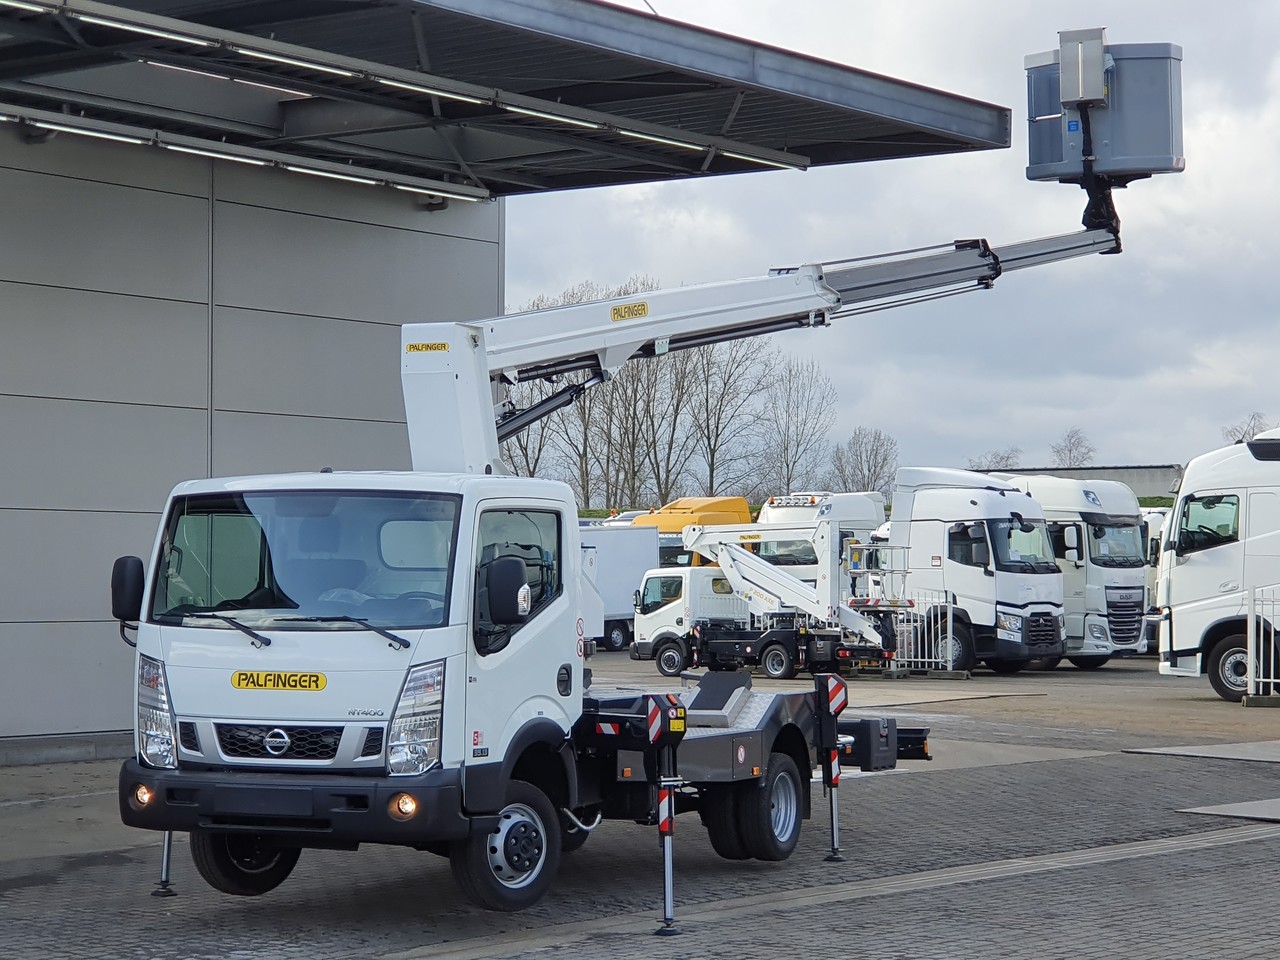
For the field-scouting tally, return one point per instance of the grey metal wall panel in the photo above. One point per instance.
(259, 443)
(293, 263)
(68, 454)
(382, 206)
(64, 678)
(88, 159)
(100, 346)
(64, 576)
(285, 363)
(64, 232)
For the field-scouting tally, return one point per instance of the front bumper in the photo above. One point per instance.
(1013, 650)
(305, 810)
(641, 650)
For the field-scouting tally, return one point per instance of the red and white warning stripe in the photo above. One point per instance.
(608, 729)
(655, 720)
(837, 695)
(666, 816)
(835, 768)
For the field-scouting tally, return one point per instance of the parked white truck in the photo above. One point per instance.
(617, 556)
(857, 515)
(1095, 528)
(330, 659)
(983, 543)
(1222, 539)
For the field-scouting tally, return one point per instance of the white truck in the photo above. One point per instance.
(1221, 540)
(616, 557)
(1095, 528)
(984, 544)
(858, 516)
(330, 659)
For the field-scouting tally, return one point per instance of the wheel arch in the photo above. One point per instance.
(539, 754)
(1215, 632)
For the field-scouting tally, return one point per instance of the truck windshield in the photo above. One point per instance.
(1116, 545)
(1021, 551)
(789, 553)
(307, 560)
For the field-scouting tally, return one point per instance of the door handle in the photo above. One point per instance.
(1228, 586)
(564, 680)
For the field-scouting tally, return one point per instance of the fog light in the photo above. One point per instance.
(403, 806)
(142, 796)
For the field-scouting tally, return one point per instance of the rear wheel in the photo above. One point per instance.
(720, 817)
(672, 660)
(512, 866)
(777, 663)
(616, 635)
(241, 864)
(1088, 663)
(1228, 668)
(1007, 666)
(769, 814)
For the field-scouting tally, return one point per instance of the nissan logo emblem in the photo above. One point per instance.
(276, 742)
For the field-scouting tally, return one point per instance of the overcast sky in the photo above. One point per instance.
(1150, 353)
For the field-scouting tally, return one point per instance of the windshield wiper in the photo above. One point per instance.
(259, 639)
(398, 640)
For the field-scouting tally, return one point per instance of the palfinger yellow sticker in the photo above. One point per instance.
(629, 311)
(271, 680)
(426, 348)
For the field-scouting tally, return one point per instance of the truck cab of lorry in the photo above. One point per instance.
(985, 544)
(670, 520)
(857, 515)
(1095, 527)
(1221, 539)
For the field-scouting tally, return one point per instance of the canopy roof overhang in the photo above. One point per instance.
(460, 98)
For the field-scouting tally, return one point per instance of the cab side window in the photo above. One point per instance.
(967, 544)
(534, 537)
(1208, 522)
(659, 591)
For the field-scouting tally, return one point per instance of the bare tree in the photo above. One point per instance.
(797, 408)
(1246, 429)
(1073, 450)
(867, 460)
(725, 384)
(1006, 459)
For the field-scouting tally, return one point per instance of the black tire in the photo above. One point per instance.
(720, 817)
(770, 812)
(616, 636)
(1007, 667)
(241, 864)
(514, 865)
(1227, 667)
(720, 666)
(1088, 663)
(961, 640)
(1043, 663)
(777, 663)
(671, 659)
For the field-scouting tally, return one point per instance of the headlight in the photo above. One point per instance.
(1097, 631)
(414, 742)
(155, 719)
(1009, 621)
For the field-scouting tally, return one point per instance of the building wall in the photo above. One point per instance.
(166, 317)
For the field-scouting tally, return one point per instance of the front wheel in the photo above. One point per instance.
(954, 649)
(512, 866)
(616, 635)
(1088, 663)
(777, 662)
(1228, 668)
(769, 814)
(672, 660)
(241, 864)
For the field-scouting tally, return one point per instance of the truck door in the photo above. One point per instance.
(660, 607)
(1206, 583)
(1074, 576)
(532, 671)
(969, 574)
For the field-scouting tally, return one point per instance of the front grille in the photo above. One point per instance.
(1125, 619)
(243, 742)
(1042, 628)
(188, 737)
(372, 743)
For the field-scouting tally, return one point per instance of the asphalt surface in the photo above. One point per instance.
(1032, 834)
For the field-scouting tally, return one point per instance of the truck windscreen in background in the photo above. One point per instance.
(307, 559)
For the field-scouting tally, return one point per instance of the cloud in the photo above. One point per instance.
(1150, 353)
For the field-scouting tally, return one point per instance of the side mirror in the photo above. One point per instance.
(635, 599)
(982, 556)
(1073, 554)
(1153, 553)
(1071, 536)
(509, 597)
(126, 589)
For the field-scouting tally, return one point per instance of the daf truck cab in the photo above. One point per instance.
(985, 544)
(1095, 527)
(1221, 539)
